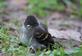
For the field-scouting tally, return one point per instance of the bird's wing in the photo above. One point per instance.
(42, 36)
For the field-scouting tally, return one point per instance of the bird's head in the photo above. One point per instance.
(31, 21)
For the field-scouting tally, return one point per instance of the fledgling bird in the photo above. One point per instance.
(36, 32)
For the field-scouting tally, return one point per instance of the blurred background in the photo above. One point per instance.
(63, 18)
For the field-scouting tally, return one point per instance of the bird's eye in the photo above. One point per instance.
(28, 25)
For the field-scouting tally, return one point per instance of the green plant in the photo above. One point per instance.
(39, 7)
(9, 44)
(2, 4)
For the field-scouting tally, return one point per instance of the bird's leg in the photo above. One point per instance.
(32, 50)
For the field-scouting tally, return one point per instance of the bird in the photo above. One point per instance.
(36, 33)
